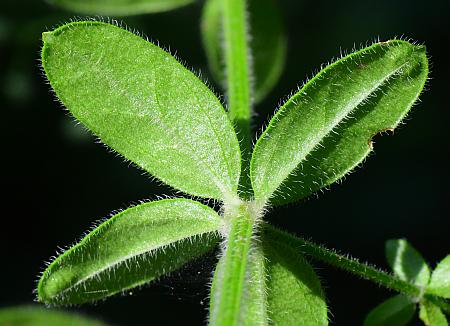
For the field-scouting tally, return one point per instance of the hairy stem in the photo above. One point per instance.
(237, 67)
(353, 266)
(237, 265)
(228, 287)
(238, 78)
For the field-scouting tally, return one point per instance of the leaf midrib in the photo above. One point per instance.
(186, 143)
(182, 140)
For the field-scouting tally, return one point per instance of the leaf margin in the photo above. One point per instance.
(41, 295)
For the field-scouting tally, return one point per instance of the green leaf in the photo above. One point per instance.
(325, 130)
(132, 248)
(406, 262)
(396, 311)
(267, 43)
(119, 7)
(294, 293)
(431, 315)
(38, 316)
(440, 279)
(237, 292)
(145, 105)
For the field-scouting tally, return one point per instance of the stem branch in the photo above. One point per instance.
(353, 266)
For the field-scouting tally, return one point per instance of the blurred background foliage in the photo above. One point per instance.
(58, 180)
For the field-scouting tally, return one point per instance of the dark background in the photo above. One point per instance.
(57, 181)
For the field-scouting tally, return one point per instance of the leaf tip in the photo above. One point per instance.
(47, 37)
(41, 293)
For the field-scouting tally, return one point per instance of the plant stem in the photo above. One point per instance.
(236, 54)
(238, 77)
(231, 272)
(353, 266)
(230, 283)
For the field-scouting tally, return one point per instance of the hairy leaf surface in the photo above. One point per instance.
(325, 130)
(440, 279)
(294, 293)
(119, 7)
(132, 248)
(431, 314)
(38, 316)
(406, 262)
(396, 311)
(267, 43)
(145, 105)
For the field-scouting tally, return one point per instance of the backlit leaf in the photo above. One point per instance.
(119, 7)
(406, 262)
(396, 311)
(132, 248)
(39, 316)
(440, 279)
(325, 130)
(432, 315)
(144, 104)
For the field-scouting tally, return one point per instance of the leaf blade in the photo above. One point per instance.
(292, 141)
(396, 311)
(295, 296)
(119, 7)
(38, 316)
(431, 315)
(440, 279)
(145, 105)
(268, 43)
(166, 235)
(406, 262)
